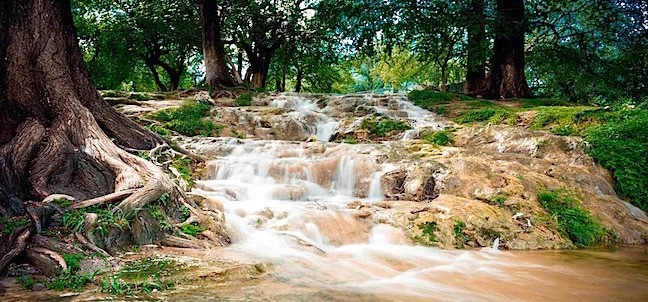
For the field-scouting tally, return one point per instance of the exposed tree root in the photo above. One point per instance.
(16, 245)
(103, 199)
(48, 262)
(89, 244)
(174, 241)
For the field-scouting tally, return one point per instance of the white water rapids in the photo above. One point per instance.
(286, 205)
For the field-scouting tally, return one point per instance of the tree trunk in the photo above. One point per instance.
(475, 60)
(216, 71)
(443, 87)
(506, 77)
(57, 132)
(156, 75)
(298, 85)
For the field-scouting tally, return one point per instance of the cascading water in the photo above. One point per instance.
(287, 204)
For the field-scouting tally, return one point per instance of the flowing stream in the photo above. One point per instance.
(286, 205)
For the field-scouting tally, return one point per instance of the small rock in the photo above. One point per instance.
(384, 204)
(355, 205)
(363, 214)
(38, 287)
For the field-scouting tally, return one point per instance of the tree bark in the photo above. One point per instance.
(475, 61)
(300, 77)
(156, 75)
(506, 77)
(217, 72)
(58, 135)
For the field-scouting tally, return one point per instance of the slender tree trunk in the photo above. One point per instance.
(216, 71)
(475, 61)
(444, 79)
(298, 85)
(506, 77)
(240, 62)
(156, 75)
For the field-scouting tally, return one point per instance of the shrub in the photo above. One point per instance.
(384, 126)
(244, 99)
(572, 218)
(621, 146)
(477, 115)
(188, 119)
(439, 138)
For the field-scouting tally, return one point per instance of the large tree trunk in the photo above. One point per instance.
(506, 77)
(57, 132)
(216, 71)
(298, 80)
(475, 60)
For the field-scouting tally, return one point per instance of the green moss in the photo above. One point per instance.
(191, 229)
(384, 126)
(69, 281)
(140, 277)
(476, 115)
(73, 261)
(460, 238)
(63, 202)
(11, 224)
(183, 165)
(244, 99)
(429, 228)
(189, 119)
(572, 218)
(439, 138)
(621, 145)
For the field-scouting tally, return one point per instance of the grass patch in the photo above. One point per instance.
(11, 224)
(382, 127)
(244, 99)
(460, 238)
(438, 138)
(144, 276)
(621, 146)
(189, 119)
(74, 220)
(428, 229)
(191, 229)
(572, 218)
(183, 166)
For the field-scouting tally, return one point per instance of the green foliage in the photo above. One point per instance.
(244, 99)
(500, 199)
(69, 281)
(63, 202)
(460, 238)
(477, 115)
(11, 224)
(189, 119)
(382, 127)
(73, 261)
(74, 220)
(429, 228)
(621, 145)
(183, 165)
(140, 277)
(572, 218)
(26, 282)
(439, 138)
(191, 229)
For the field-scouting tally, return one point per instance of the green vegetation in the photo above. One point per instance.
(572, 218)
(140, 277)
(439, 138)
(500, 199)
(183, 165)
(460, 238)
(384, 126)
(429, 98)
(622, 146)
(428, 228)
(189, 119)
(63, 202)
(11, 224)
(71, 279)
(191, 229)
(26, 282)
(244, 99)
(74, 220)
